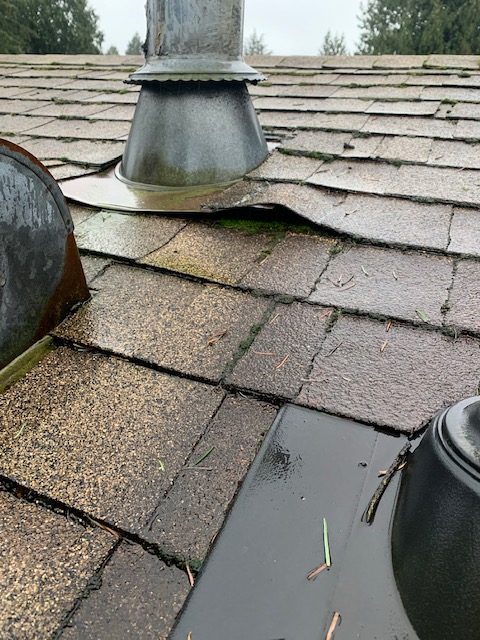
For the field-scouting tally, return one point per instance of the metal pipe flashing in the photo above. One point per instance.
(191, 134)
(194, 40)
(194, 123)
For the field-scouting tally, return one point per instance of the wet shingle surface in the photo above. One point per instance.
(180, 325)
(218, 254)
(399, 377)
(127, 236)
(280, 357)
(201, 326)
(306, 256)
(46, 563)
(193, 511)
(139, 597)
(386, 282)
(102, 434)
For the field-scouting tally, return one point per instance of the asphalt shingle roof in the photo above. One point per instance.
(200, 327)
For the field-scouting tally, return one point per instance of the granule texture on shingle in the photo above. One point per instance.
(410, 126)
(457, 94)
(380, 92)
(319, 141)
(65, 171)
(46, 563)
(306, 257)
(86, 152)
(216, 253)
(368, 79)
(92, 267)
(360, 147)
(21, 106)
(404, 148)
(191, 328)
(285, 167)
(397, 378)
(386, 282)
(84, 129)
(194, 509)
(282, 353)
(450, 153)
(339, 121)
(404, 108)
(139, 597)
(366, 177)
(464, 298)
(80, 213)
(467, 129)
(447, 185)
(57, 110)
(465, 232)
(126, 235)
(17, 124)
(452, 61)
(101, 434)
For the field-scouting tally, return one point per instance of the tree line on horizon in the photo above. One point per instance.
(399, 27)
(404, 27)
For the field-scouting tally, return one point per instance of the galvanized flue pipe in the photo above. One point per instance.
(195, 40)
(194, 124)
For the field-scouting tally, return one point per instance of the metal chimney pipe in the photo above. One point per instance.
(194, 40)
(194, 124)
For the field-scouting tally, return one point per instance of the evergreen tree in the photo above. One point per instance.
(333, 45)
(48, 26)
(135, 46)
(255, 45)
(420, 27)
(112, 51)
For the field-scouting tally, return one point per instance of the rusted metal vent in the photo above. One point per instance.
(41, 276)
(194, 124)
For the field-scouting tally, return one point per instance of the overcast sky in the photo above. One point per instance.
(290, 28)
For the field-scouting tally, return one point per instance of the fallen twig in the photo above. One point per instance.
(384, 346)
(330, 353)
(371, 509)
(336, 621)
(280, 365)
(313, 574)
(100, 525)
(343, 284)
(190, 576)
(216, 337)
(272, 320)
(327, 314)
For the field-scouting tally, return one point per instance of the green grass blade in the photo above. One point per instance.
(328, 560)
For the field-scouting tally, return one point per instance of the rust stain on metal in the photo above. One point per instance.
(71, 290)
(40, 270)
